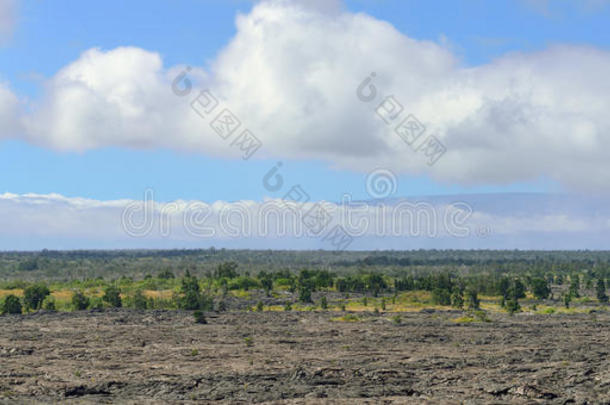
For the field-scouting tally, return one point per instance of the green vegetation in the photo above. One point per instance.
(34, 295)
(112, 296)
(199, 317)
(211, 279)
(11, 305)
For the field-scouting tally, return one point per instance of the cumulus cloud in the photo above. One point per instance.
(291, 74)
(38, 221)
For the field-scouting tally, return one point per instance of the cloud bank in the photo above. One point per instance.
(291, 74)
(503, 221)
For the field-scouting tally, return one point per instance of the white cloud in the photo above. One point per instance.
(9, 113)
(38, 221)
(7, 18)
(290, 75)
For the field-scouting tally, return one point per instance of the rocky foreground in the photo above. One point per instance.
(308, 357)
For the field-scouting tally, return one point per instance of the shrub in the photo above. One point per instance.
(601, 291)
(482, 316)
(441, 296)
(288, 306)
(49, 304)
(79, 301)
(166, 275)
(96, 303)
(199, 317)
(12, 305)
(396, 319)
(457, 299)
(259, 306)
(191, 300)
(512, 306)
(323, 303)
(139, 300)
(249, 341)
(34, 295)
(472, 299)
(112, 296)
(348, 318)
(305, 294)
(567, 298)
(540, 288)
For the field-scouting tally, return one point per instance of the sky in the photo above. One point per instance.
(100, 102)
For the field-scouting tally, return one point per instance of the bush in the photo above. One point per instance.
(288, 306)
(199, 317)
(324, 303)
(601, 291)
(34, 295)
(79, 301)
(49, 304)
(457, 299)
(540, 288)
(112, 296)
(166, 275)
(441, 296)
(305, 294)
(472, 299)
(259, 306)
(139, 300)
(512, 306)
(12, 305)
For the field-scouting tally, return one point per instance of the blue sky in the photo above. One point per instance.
(50, 35)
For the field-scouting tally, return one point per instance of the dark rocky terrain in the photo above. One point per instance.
(306, 357)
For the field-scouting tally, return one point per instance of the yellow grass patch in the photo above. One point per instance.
(18, 292)
(158, 294)
(62, 295)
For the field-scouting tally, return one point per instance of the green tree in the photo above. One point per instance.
(441, 296)
(139, 300)
(512, 306)
(472, 299)
(324, 303)
(574, 285)
(517, 289)
(267, 283)
(601, 290)
(305, 294)
(166, 275)
(79, 301)
(112, 296)
(540, 288)
(567, 298)
(34, 295)
(12, 305)
(457, 299)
